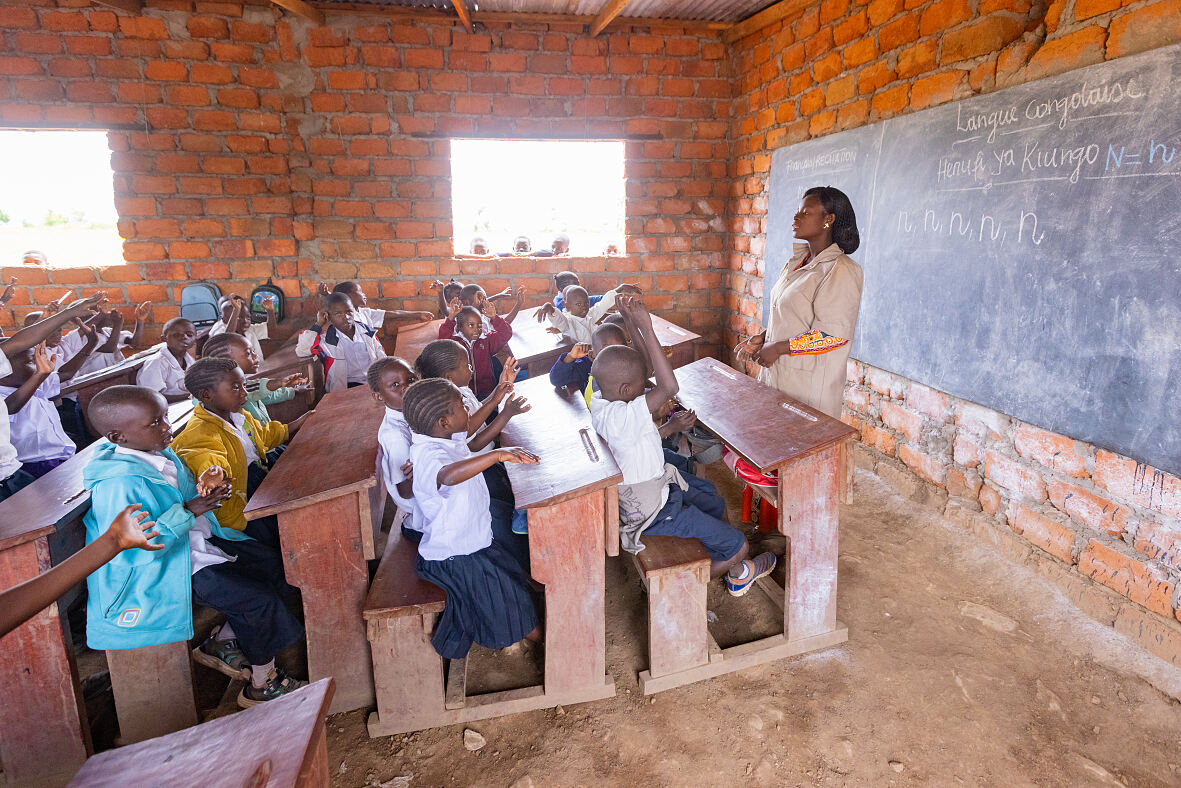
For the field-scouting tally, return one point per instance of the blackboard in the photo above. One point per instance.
(1022, 249)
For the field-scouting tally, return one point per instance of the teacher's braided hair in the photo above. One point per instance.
(844, 225)
(426, 402)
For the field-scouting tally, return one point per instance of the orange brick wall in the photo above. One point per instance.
(251, 144)
(1084, 513)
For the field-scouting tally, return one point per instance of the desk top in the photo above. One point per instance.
(131, 364)
(283, 361)
(574, 459)
(411, 340)
(335, 451)
(269, 744)
(531, 341)
(60, 495)
(765, 427)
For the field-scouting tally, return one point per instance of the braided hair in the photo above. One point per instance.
(205, 373)
(377, 368)
(219, 346)
(426, 402)
(440, 357)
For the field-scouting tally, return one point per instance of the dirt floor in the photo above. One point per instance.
(961, 669)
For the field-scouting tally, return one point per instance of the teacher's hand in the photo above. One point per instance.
(749, 348)
(768, 354)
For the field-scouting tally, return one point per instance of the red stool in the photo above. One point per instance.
(768, 514)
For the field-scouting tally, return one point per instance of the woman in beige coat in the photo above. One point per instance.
(814, 306)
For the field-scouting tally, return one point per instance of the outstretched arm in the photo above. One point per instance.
(666, 382)
(459, 472)
(512, 407)
(31, 335)
(71, 367)
(17, 399)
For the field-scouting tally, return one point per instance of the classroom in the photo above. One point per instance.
(538, 392)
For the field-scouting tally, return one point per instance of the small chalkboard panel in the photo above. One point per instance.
(1022, 249)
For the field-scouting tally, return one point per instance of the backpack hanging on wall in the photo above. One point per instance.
(198, 303)
(263, 293)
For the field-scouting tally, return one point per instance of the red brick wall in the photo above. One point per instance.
(252, 144)
(1082, 512)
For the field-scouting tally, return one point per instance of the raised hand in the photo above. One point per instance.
(489, 309)
(322, 319)
(633, 307)
(627, 287)
(436, 285)
(545, 310)
(322, 289)
(516, 405)
(510, 371)
(581, 350)
(9, 291)
(453, 308)
(518, 455)
(84, 305)
(129, 529)
(143, 311)
(41, 358)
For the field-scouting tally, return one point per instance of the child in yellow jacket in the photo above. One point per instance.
(220, 434)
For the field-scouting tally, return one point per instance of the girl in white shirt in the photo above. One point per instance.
(489, 597)
(388, 380)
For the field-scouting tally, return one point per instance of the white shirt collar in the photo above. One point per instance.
(153, 458)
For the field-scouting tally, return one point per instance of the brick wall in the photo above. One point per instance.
(1106, 529)
(250, 144)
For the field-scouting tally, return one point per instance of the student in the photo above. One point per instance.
(165, 370)
(579, 318)
(564, 279)
(559, 248)
(572, 370)
(260, 391)
(346, 347)
(235, 317)
(467, 328)
(25, 600)
(35, 426)
(474, 295)
(489, 600)
(447, 292)
(655, 498)
(389, 378)
(12, 478)
(145, 598)
(383, 320)
(479, 248)
(220, 435)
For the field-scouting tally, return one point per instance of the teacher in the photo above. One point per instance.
(814, 306)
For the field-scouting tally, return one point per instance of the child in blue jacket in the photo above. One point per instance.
(145, 598)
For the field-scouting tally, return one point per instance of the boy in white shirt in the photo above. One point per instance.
(388, 380)
(654, 498)
(386, 321)
(346, 347)
(579, 318)
(165, 371)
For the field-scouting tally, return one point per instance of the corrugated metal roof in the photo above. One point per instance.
(695, 10)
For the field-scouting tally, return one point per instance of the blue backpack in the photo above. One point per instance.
(198, 303)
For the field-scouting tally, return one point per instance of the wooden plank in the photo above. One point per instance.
(407, 675)
(126, 369)
(566, 555)
(765, 427)
(277, 743)
(809, 517)
(747, 655)
(44, 737)
(464, 16)
(670, 555)
(410, 341)
(456, 684)
(768, 16)
(773, 591)
(333, 453)
(574, 459)
(677, 635)
(397, 590)
(322, 554)
(153, 689)
(301, 8)
(611, 520)
(604, 17)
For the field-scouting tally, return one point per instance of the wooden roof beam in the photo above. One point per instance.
(300, 8)
(464, 15)
(613, 9)
(767, 16)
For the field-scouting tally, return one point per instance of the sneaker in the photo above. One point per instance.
(223, 656)
(520, 521)
(278, 684)
(761, 566)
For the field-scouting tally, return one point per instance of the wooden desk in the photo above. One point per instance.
(121, 374)
(283, 362)
(410, 341)
(278, 744)
(536, 349)
(803, 446)
(329, 501)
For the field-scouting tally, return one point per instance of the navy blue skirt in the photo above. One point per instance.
(488, 601)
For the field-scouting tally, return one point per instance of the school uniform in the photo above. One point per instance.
(821, 293)
(69, 409)
(162, 372)
(11, 476)
(393, 451)
(346, 359)
(560, 302)
(145, 598)
(654, 497)
(580, 329)
(253, 333)
(481, 350)
(488, 593)
(259, 396)
(508, 522)
(374, 318)
(575, 374)
(36, 430)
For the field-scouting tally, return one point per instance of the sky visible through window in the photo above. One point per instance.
(57, 197)
(504, 188)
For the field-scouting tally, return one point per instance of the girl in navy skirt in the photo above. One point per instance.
(489, 600)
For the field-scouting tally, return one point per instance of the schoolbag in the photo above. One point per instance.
(198, 303)
(263, 293)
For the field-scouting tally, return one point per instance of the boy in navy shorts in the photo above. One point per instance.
(654, 497)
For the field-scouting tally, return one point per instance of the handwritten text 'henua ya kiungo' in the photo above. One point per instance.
(1059, 108)
(1037, 162)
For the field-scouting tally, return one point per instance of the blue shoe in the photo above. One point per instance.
(761, 566)
(520, 521)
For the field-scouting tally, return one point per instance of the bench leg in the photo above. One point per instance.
(407, 674)
(43, 731)
(153, 689)
(677, 635)
(809, 496)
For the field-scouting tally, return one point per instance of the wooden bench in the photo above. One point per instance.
(38, 676)
(675, 572)
(278, 744)
(327, 497)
